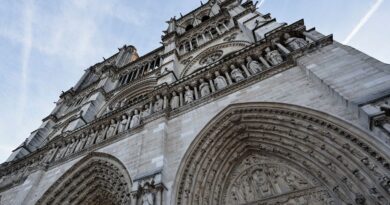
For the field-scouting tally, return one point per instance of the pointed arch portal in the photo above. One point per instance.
(271, 153)
(98, 179)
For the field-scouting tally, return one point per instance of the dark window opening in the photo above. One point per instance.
(189, 27)
(205, 18)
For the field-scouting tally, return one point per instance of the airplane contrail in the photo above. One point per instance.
(363, 21)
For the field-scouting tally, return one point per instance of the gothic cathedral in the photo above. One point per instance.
(235, 108)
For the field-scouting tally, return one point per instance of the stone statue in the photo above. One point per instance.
(146, 111)
(220, 81)
(204, 88)
(294, 43)
(175, 101)
(189, 95)
(158, 105)
(273, 57)
(111, 130)
(135, 120)
(236, 74)
(122, 124)
(108, 109)
(49, 156)
(101, 134)
(147, 198)
(253, 66)
(61, 152)
(82, 141)
(71, 148)
(91, 138)
(117, 106)
(123, 102)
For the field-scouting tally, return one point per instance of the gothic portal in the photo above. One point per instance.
(234, 108)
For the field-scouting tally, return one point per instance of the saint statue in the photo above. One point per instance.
(122, 124)
(189, 95)
(294, 43)
(175, 101)
(204, 88)
(111, 130)
(158, 105)
(253, 66)
(135, 120)
(220, 81)
(82, 141)
(146, 111)
(101, 134)
(91, 138)
(236, 74)
(273, 57)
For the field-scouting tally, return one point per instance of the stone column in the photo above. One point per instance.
(224, 25)
(209, 76)
(159, 197)
(243, 66)
(211, 35)
(194, 84)
(181, 96)
(216, 28)
(225, 70)
(151, 107)
(264, 62)
(204, 38)
(282, 48)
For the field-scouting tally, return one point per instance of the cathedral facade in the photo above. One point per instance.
(234, 108)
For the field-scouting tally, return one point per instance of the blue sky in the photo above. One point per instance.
(45, 46)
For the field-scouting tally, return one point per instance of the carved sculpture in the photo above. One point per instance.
(236, 74)
(91, 138)
(294, 43)
(253, 66)
(204, 88)
(123, 124)
(220, 81)
(273, 57)
(135, 120)
(83, 139)
(101, 134)
(158, 105)
(146, 111)
(112, 129)
(147, 198)
(175, 101)
(189, 95)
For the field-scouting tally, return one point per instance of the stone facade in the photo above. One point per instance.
(234, 108)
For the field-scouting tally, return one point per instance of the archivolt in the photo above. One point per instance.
(249, 151)
(97, 179)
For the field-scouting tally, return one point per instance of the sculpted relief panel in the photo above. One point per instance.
(266, 179)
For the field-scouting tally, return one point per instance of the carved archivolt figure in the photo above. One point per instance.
(204, 88)
(122, 124)
(220, 81)
(236, 74)
(175, 101)
(101, 134)
(158, 105)
(253, 66)
(189, 95)
(146, 111)
(294, 43)
(135, 120)
(111, 129)
(274, 56)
